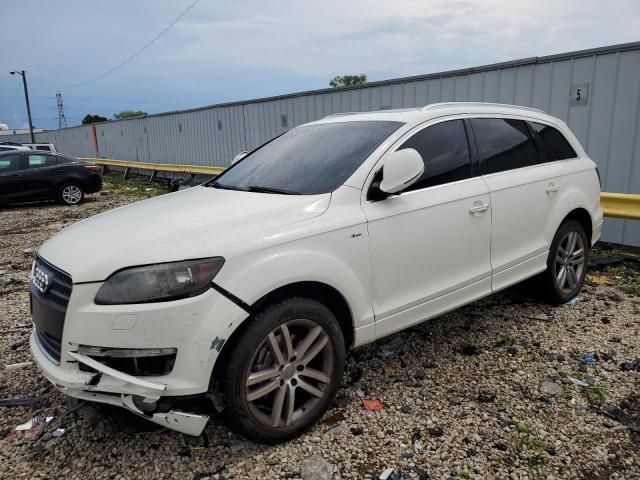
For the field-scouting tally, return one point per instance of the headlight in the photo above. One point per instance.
(159, 283)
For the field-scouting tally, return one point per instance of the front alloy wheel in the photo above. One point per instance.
(284, 370)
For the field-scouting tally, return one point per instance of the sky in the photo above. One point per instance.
(223, 51)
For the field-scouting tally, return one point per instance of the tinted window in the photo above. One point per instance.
(9, 163)
(46, 148)
(64, 159)
(37, 161)
(308, 160)
(445, 153)
(503, 144)
(553, 142)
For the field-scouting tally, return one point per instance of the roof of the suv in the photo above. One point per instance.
(421, 114)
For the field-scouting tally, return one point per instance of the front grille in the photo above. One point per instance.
(50, 290)
(59, 284)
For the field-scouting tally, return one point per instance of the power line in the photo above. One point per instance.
(134, 55)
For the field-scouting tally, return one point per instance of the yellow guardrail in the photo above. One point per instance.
(616, 205)
(620, 205)
(157, 167)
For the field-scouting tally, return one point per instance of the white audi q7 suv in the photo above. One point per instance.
(249, 289)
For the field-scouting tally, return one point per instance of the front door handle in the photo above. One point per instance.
(552, 187)
(479, 207)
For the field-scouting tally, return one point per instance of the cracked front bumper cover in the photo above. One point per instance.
(116, 388)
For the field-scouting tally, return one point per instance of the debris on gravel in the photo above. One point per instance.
(486, 391)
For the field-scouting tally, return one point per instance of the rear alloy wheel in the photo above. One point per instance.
(284, 370)
(70, 194)
(567, 263)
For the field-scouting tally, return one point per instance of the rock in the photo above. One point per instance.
(469, 350)
(615, 297)
(630, 365)
(316, 468)
(405, 409)
(380, 434)
(549, 387)
(315, 439)
(616, 339)
(605, 320)
(28, 252)
(430, 365)
(419, 374)
(357, 431)
(423, 393)
(486, 396)
(435, 432)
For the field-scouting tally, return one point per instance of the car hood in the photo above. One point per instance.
(198, 222)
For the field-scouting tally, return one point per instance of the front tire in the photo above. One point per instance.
(284, 370)
(567, 263)
(70, 194)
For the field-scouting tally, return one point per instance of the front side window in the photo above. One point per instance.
(9, 163)
(445, 152)
(553, 142)
(307, 160)
(503, 144)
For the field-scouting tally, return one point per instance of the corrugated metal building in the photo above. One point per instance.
(597, 92)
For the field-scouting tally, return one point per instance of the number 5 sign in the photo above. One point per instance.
(579, 95)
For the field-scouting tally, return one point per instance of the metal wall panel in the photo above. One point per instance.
(607, 126)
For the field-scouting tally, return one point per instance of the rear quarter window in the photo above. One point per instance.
(554, 144)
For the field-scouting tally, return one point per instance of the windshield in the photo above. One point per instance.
(307, 160)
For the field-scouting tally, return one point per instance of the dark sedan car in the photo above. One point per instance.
(39, 175)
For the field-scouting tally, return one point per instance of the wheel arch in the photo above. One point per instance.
(583, 217)
(321, 292)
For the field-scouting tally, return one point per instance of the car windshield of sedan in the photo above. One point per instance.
(307, 160)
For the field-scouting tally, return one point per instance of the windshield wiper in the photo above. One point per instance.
(259, 189)
(222, 186)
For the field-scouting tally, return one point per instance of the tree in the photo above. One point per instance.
(130, 114)
(93, 119)
(345, 80)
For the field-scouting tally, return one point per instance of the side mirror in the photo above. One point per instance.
(401, 169)
(239, 156)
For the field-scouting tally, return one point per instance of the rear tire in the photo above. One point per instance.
(566, 264)
(283, 371)
(70, 194)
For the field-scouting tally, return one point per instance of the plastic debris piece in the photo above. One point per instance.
(588, 358)
(58, 432)
(21, 401)
(573, 301)
(600, 280)
(359, 393)
(372, 405)
(236, 447)
(34, 427)
(386, 474)
(16, 366)
(579, 383)
(391, 346)
(6, 281)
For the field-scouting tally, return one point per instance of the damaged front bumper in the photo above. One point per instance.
(87, 386)
(195, 329)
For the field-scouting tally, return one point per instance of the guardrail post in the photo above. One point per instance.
(126, 173)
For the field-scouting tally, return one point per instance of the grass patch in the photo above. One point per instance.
(595, 395)
(506, 340)
(136, 186)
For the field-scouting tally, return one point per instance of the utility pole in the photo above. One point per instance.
(62, 121)
(23, 74)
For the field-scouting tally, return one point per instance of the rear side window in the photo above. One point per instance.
(9, 163)
(553, 142)
(37, 161)
(445, 153)
(44, 147)
(503, 144)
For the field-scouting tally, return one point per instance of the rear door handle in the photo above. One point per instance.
(552, 187)
(479, 207)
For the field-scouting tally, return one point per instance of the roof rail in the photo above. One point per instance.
(342, 114)
(479, 104)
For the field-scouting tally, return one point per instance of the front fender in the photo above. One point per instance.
(253, 276)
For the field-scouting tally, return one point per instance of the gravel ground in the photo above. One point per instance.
(482, 392)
